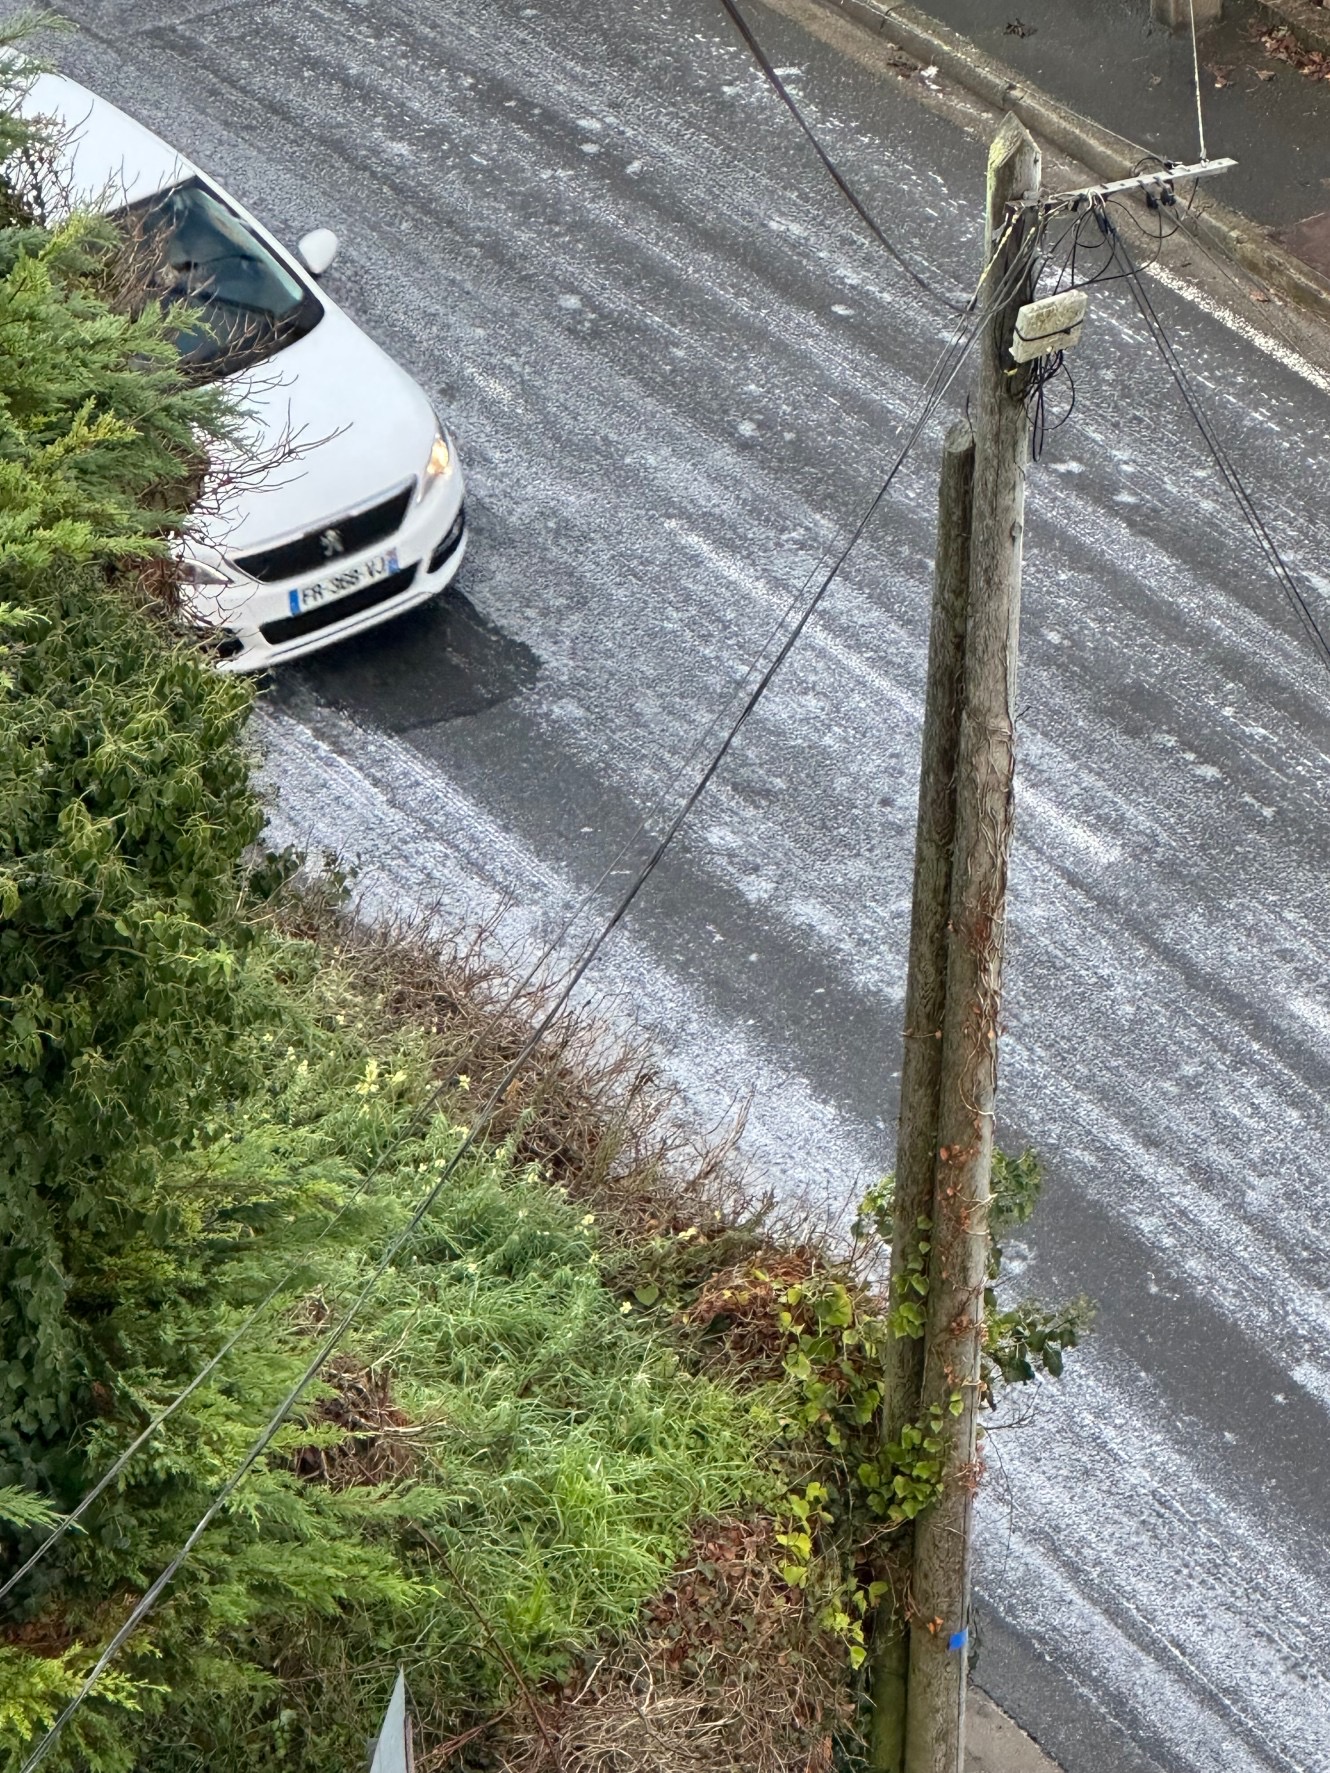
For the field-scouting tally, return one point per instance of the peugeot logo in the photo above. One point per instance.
(332, 544)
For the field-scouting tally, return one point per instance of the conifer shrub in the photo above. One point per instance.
(499, 1466)
(498, 1469)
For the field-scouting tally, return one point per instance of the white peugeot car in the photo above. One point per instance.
(361, 515)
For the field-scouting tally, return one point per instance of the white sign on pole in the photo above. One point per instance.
(1053, 323)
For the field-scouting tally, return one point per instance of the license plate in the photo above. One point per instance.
(351, 578)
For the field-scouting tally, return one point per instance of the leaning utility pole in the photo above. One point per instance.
(954, 1331)
(940, 1237)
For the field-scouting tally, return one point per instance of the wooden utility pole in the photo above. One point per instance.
(921, 1068)
(940, 1600)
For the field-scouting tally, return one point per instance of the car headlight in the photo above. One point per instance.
(440, 459)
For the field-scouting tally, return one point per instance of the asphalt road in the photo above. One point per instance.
(676, 367)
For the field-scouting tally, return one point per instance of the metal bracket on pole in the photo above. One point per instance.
(1159, 178)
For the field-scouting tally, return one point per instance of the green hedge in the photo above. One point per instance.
(187, 1100)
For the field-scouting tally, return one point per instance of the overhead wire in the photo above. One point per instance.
(1218, 452)
(1196, 71)
(852, 197)
(936, 386)
(1083, 212)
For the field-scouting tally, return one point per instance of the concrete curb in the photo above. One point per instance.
(1107, 155)
(1309, 24)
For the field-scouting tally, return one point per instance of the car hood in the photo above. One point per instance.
(106, 158)
(331, 423)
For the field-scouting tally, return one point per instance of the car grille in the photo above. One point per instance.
(323, 615)
(360, 530)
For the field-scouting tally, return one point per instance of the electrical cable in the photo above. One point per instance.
(1046, 371)
(943, 375)
(1087, 210)
(851, 196)
(1229, 474)
(1196, 70)
(71, 1519)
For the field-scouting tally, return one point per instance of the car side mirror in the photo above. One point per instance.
(317, 250)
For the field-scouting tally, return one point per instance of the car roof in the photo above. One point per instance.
(107, 159)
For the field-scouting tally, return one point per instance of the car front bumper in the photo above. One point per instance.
(263, 626)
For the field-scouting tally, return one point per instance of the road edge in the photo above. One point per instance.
(995, 1742)
(1108, 155)
(1308, 23)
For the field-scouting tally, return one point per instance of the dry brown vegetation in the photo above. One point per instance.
(729, 1669)
(729, 1674)
(589, 1107)
(363, 1436)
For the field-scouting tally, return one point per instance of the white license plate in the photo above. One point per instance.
(351, 578)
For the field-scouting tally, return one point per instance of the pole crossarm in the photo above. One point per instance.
(1159, 178)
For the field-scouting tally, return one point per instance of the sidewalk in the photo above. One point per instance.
(1106, 60)
(994, 1744)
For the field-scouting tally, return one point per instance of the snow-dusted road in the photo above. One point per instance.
(676, 368)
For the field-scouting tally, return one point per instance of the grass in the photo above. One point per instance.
(501, 1467)
(676, 1557)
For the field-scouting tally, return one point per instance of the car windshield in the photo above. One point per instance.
(231, 302)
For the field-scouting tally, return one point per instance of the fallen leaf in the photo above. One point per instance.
(1259, 295)
(1265, 73)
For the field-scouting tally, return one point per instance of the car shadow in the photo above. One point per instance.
(442, 661)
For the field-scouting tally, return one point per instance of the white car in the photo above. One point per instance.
(365, 517)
